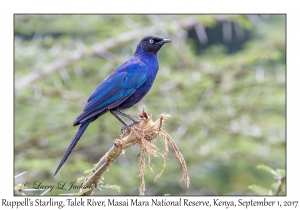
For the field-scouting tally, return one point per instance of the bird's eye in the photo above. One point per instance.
(151, 41)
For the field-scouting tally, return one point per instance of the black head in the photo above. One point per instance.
(153, 43)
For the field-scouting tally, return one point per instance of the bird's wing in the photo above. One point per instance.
(114, 90)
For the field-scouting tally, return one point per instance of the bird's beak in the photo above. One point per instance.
(166, 41)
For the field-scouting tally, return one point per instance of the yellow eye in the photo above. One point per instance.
(151, 41)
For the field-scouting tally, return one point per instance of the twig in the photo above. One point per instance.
(280, 182)
(143, 134)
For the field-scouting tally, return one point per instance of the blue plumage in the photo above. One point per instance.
(123, 88)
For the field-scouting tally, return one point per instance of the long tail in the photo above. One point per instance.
(76, 138)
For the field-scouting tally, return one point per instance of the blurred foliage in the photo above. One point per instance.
(277, 188)
(227, 107)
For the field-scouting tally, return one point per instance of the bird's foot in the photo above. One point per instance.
(134, 122)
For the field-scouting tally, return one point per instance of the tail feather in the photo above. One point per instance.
(76, 138)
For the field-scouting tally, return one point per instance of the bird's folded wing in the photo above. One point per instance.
(114, 90)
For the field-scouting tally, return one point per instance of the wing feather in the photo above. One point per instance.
(114, 90)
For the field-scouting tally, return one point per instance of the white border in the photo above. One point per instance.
(8, 8)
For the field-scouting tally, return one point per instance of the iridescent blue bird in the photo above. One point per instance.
(123, 88)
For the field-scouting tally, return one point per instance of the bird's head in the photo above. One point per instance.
(153, 43)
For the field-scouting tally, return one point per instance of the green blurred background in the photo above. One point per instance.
(222, 80)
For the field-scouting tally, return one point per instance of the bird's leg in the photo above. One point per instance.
(135, 121)
(118, 117)
(126, 126)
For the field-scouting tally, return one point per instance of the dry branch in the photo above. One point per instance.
(142, 134)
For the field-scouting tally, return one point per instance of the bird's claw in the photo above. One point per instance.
(135, 121)
(125, 127)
